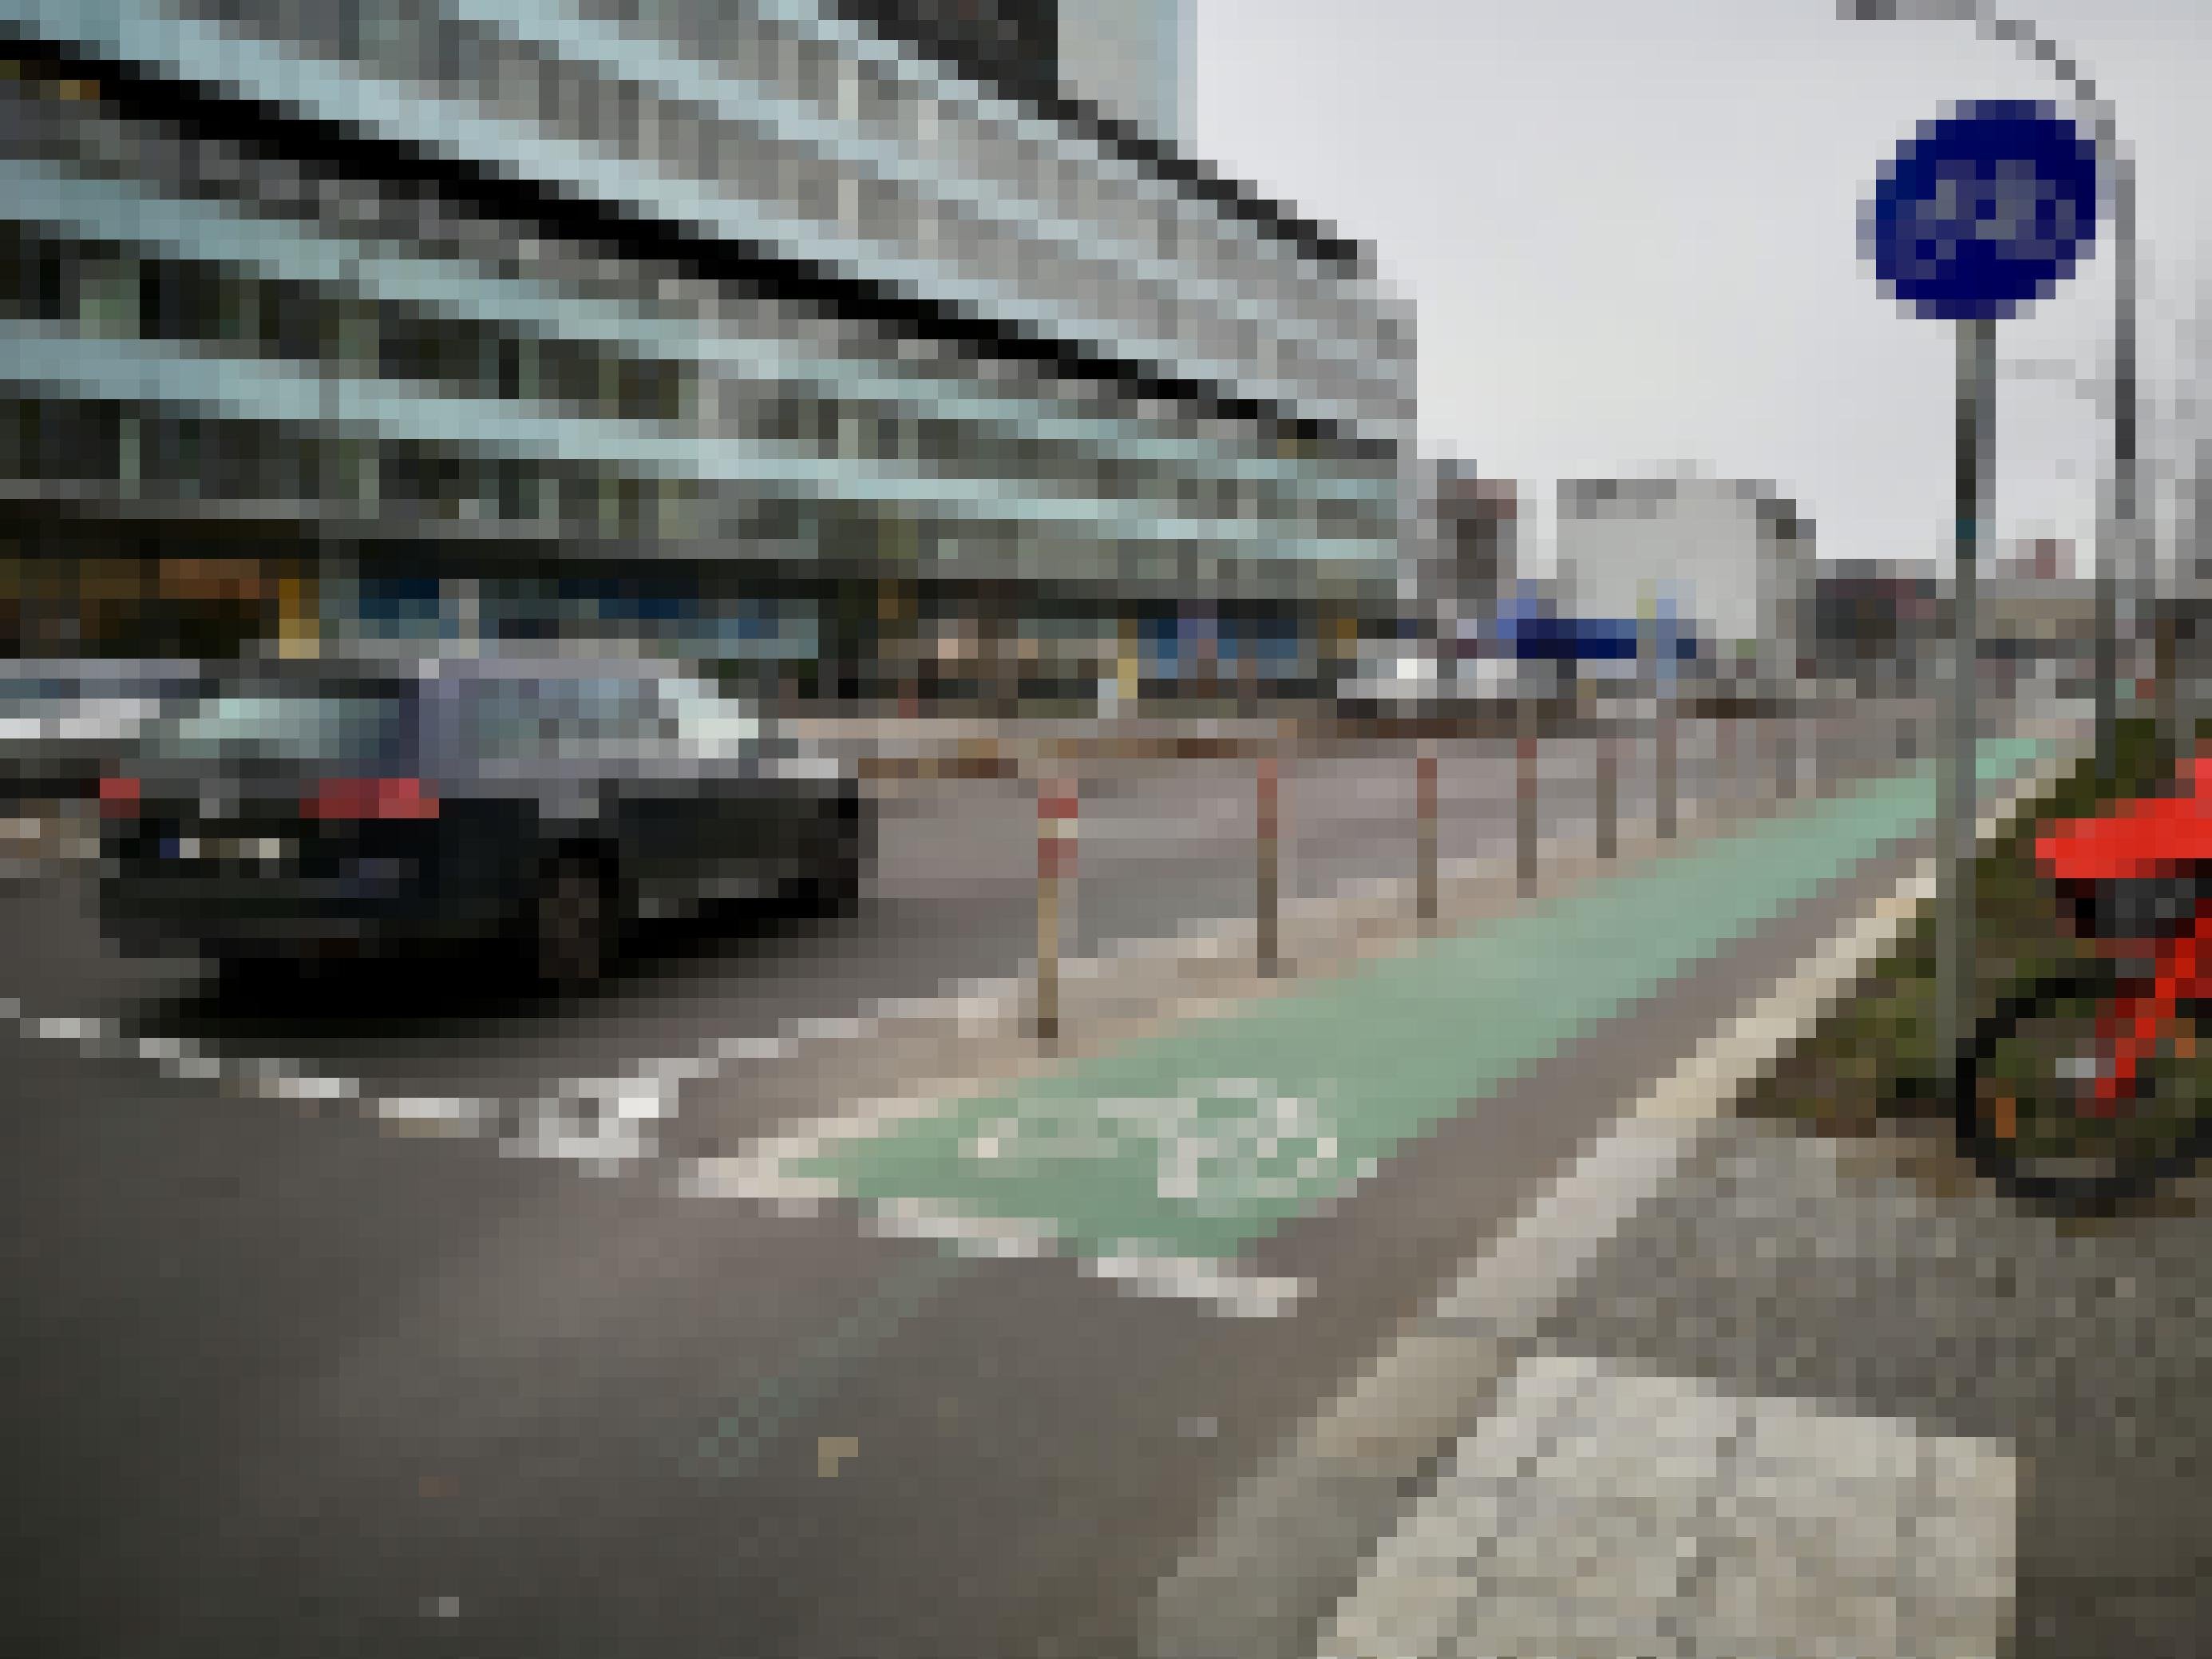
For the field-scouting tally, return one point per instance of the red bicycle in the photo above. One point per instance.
(2086, 1087)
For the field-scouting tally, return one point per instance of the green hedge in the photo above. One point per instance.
(1866, 1059)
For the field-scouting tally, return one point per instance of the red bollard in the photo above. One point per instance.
(1056, 807)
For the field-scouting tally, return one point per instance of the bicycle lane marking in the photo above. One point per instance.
(1156, 1164)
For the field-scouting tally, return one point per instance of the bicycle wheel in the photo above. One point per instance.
(2026, 1114)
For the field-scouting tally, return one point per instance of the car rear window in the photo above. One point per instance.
(709, 723)
(516, 717)
(22, 695)
(336, 725)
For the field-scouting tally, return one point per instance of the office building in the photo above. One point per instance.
(1477, 528)
(758, 330)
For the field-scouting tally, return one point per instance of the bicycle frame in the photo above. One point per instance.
(2153, 838)
(2130, 1026)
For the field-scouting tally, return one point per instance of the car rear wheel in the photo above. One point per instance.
(257, 979)
(574, 922)
(835, 888)
(835, 891)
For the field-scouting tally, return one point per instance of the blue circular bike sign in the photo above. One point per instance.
(1982, 211)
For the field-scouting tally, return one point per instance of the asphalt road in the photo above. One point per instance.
(1163, 848)
(284, 1382)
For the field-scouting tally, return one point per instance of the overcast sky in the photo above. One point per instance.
(1628, 229)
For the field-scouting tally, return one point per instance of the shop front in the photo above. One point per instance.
(754, 639)
(112, 591)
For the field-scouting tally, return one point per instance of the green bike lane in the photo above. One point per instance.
(1187, 1148)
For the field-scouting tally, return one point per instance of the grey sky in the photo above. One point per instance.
(1628, 229)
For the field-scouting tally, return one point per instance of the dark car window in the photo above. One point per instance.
(19, 694)
(349, 727)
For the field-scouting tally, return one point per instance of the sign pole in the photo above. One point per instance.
(1977, 217)
(1668, 695)
(1955, 916)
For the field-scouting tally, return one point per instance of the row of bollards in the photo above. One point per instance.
(1057, 806)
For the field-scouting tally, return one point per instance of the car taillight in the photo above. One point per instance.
(120, 797)
(357, 799)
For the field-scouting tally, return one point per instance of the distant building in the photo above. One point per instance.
(2040, 558)
(1128, 60)
(1733, 560)
(2035, 609)
(1131, 59)
(1876, 622)
(992, 40)
(1464, 548)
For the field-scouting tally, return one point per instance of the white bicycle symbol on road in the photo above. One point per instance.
(1219, 1148)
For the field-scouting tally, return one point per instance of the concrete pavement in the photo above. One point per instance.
(1733, 1390)
(1997, 1430)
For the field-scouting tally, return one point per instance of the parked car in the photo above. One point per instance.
(63, 721)
(1464, 682)
(1399, 681)
(364, 807)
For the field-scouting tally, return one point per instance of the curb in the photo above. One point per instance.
(1294, 1536)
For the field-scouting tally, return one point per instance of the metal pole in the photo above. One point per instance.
(1056, 807)
(1270, 903)
(1666, 698)
(2190, 565)
(1740, 740)
(1525, 795)
(1955, 911)
(2124, 475)
(1609, 788)
(1047, 971)
(1785, 744)
(2120, 537)
(1424, 820)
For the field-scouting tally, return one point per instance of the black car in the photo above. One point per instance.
(63, 721)
(355, 808)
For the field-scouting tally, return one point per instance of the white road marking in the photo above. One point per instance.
(603, 1124)
(1239, 1295)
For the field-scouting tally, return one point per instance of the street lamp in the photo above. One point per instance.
(2095, 390)
(2120, 169)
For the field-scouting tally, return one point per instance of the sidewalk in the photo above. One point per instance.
(1810, 1405)
(1732, 1390)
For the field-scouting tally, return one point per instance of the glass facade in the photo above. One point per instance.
(747, 292)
